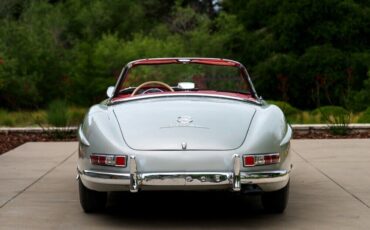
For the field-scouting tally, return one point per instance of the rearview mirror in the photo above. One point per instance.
(186, 85)
(110, 91)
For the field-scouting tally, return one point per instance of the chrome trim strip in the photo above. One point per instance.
(105, 175)
(264, 174)
(264, 177)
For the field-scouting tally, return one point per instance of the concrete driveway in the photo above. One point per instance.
(330, 189)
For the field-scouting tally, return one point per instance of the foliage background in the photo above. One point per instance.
(309, 53)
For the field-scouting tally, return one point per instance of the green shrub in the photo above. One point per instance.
(6, 119)
(365, 116)
(39, 118)
(9, 121)
(330, 109)
(336, 117)
(328, 112)
(286, 107)
(309, 118)
(76, 115)
(57, 113)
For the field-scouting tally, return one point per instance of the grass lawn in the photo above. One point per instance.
(322, 115)
(74, 115)
(39, 117)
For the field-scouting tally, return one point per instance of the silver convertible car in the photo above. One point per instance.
(184, 124)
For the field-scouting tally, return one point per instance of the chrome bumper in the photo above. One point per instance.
(134, 181)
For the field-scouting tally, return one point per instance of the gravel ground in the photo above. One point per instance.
(9, 141)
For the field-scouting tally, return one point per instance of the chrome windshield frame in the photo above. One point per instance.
(125, 70)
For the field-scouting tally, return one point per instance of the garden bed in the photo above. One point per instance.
(11, 140)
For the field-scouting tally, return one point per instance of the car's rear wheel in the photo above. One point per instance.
(276, 202)
(91, 201)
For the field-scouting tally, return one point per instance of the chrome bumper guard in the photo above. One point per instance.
(235, 178)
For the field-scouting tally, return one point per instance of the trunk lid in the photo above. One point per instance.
(184, 123)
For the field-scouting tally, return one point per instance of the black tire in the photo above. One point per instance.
(276, 202)
(90, 200)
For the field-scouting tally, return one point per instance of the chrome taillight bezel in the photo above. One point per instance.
(260, 159)
(108, 160)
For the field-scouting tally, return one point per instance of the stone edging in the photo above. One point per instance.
(302, 129)
(36, 129)
(323, 128)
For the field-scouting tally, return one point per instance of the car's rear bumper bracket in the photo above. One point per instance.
(236, 173)
(134, 185)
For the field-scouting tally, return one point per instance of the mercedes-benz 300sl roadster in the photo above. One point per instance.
(184, 124)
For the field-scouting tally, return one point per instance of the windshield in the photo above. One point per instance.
(176, 76)
(204, 77)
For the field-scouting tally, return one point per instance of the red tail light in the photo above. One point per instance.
(249, 161)
(108, 160)
(102, 160)
(94, 160)
(267, 159)
(261, 159)
(121, 161)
